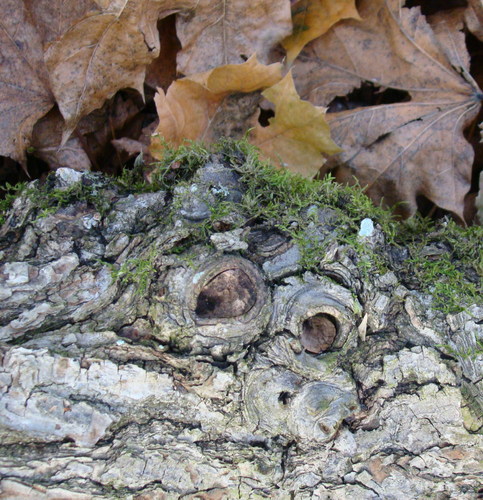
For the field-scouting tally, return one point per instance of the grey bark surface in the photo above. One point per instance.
(221, 369)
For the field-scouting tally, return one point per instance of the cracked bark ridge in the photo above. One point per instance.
(220, 368)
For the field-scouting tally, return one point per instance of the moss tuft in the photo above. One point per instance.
(11, 193)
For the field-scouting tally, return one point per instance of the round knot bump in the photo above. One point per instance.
(229, 294)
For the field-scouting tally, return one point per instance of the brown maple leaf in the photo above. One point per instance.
(103, 53)
(24, 85)
(221, 32)
(404, 150)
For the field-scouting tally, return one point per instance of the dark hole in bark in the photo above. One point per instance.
(318, 333)
(228, 295)
(284, 397)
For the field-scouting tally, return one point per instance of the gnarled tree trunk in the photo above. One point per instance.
(140, 362)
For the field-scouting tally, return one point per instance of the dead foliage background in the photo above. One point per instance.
(383, 91)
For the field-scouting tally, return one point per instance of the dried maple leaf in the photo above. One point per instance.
(312, 18)
(298, 135)
(103, 53)
(221, 32)
(403, 150)
(188, 109)
(24, 90)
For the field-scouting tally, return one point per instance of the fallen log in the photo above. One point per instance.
(231, 333)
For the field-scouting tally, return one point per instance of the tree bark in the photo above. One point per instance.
(138, 361)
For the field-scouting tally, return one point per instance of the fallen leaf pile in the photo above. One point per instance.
(387, 93)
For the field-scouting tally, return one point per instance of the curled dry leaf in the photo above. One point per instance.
(312, 18)
(221, 32)
(402, 150)
(127, 148)
(298, 135)
(24, 91)
(188, 109)
(113, 5)
(103, 53)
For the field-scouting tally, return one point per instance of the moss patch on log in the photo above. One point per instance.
(439, 258)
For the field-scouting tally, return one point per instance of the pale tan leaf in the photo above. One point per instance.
(404, 150)
(312, 18)
(221, 32)
(24, 92)
(246, 77)
(184, 113)
(105, 52)
(188, 109)
(298, 135)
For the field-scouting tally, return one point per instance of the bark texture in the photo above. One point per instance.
(138, 362)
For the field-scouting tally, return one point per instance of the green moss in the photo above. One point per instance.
(453, 274)
(285, 200)
(11, 193)
(46, 199)
(179, 164)
(281, 199)
(133, 180)
(445, 282)
(137, 271)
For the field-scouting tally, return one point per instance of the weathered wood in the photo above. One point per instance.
(220, 369)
